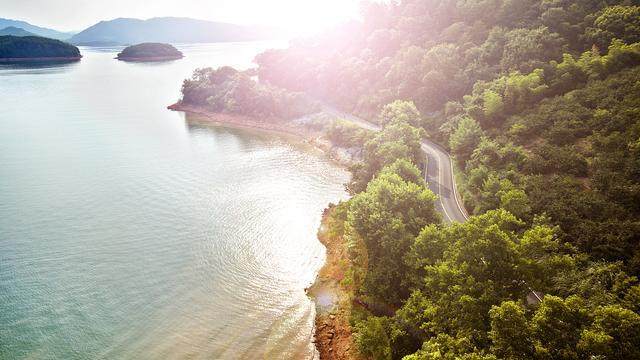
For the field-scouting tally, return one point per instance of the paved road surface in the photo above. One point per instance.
(439, 172)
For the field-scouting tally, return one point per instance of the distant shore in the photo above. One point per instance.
(75, 58)
(332, 333)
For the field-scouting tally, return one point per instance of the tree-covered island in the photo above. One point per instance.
(150, 52)
(19, 48)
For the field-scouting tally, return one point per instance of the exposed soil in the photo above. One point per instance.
(333, 333)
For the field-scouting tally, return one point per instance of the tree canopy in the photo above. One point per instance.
(150, 51)
(228, 90)
(539, 103)
(16, 47)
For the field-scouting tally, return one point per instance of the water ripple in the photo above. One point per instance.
(125, 234)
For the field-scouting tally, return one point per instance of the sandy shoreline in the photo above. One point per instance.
(332, 333)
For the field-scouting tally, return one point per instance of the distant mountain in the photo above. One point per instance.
(168, 30)
(36, 30)
(15, 31)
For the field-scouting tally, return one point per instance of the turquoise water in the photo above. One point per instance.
(127, 233)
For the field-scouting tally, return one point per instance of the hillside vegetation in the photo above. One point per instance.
(226, 90)
(150, 51)
(539, 103)
(17, 47)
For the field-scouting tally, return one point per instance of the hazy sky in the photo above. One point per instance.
(78, 14)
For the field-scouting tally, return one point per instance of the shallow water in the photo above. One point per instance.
(126, 233)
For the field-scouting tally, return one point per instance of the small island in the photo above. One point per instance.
(150, 52)
(35, 48)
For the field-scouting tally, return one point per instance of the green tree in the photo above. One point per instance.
(516, 202)
(406, 170)
(510, 334)
(493, 104)
(372, 338)
(616, 22)
(387, 217)
(465, 138)
(398, 140)
(557, 326)
(403, 111)
(614, 334)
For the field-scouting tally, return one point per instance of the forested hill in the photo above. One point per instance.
(539, 103)
(35, 47)
(537, 100)
(150, 51)
(435, 51)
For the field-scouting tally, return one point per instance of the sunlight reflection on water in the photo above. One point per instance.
(126, 233)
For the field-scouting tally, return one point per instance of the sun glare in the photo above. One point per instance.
(297, 16)
(309, 16)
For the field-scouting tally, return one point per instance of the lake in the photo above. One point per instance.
(128, 233)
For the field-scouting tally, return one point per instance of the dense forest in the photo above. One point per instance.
(231, 91)
(506, 284)
(12, 47)
(539, 103)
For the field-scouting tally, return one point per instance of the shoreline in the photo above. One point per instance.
(270, 125)
(333, 336)
(149, 59)
(73, 58)
(241, 121)
(332, 332)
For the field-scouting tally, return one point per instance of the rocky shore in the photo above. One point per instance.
(333, 335)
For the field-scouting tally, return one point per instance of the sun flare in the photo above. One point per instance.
(298, 16)
(309, 16)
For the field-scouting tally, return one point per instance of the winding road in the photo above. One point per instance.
(438, 172)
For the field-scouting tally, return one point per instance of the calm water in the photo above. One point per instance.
(126, 233)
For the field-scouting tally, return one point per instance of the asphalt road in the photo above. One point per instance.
(438, 174)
